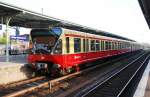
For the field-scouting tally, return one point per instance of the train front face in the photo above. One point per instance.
(46, 45)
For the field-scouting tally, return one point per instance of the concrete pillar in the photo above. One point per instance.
(7, 38)
(2, 20)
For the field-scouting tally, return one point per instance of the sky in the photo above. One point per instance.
(121, 17)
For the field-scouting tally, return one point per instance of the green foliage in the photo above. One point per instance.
(2, 40)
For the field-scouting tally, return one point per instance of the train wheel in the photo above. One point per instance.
(55, 72)
(63, 72)
(77, 68)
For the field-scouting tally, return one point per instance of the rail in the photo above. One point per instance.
(91, 88)
(51, 82)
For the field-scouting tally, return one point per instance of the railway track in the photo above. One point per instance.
(114, 85)
(22, 88)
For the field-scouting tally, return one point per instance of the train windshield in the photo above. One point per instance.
(44, 40)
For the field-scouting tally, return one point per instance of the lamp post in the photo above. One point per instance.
(7, 38)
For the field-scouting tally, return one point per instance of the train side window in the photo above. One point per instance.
(116, 46)
(87, 45)
(84, 45)
(58, 48)
(77, 45)
(92, 45)
(119, 45)
(97, 45)
(67, 45)
(106, 45)
(102, 45)
(100, 48)
(109, 44)
(112, 46)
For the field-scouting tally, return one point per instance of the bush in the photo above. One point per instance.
(3, 40)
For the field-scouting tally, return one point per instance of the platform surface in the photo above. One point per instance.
(14, 59)
(143, 89)
(14, 70)
(147, 90)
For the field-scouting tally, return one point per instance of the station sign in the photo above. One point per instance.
(18, 38)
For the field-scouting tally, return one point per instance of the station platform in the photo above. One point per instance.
(14, 70)
(143, 89)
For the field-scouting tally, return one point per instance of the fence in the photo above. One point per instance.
(13, 52)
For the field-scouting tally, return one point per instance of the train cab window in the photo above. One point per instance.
(58, 48)
(84, 45)
(67, 45)
(97, 45)
(92, 45)
(77, 45)
(87, 45)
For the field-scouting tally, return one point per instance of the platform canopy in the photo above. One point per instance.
(29, 19)
(145, 6)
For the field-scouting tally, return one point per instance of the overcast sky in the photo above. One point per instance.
(122, 17)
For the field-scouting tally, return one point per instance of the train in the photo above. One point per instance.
(59, 50)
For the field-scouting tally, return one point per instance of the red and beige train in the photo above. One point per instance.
(61, 50)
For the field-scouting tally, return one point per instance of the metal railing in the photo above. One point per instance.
(13, 52)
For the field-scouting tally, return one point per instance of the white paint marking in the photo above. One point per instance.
(140, 91)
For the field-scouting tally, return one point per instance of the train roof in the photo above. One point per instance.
(99, 32)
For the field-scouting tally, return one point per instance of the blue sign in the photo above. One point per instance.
(18, 38)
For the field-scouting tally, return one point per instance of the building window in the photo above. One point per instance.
(77, 45)
(97, 45)
(92, 45)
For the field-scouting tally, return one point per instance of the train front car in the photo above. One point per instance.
(58, 50)
(46, 54)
